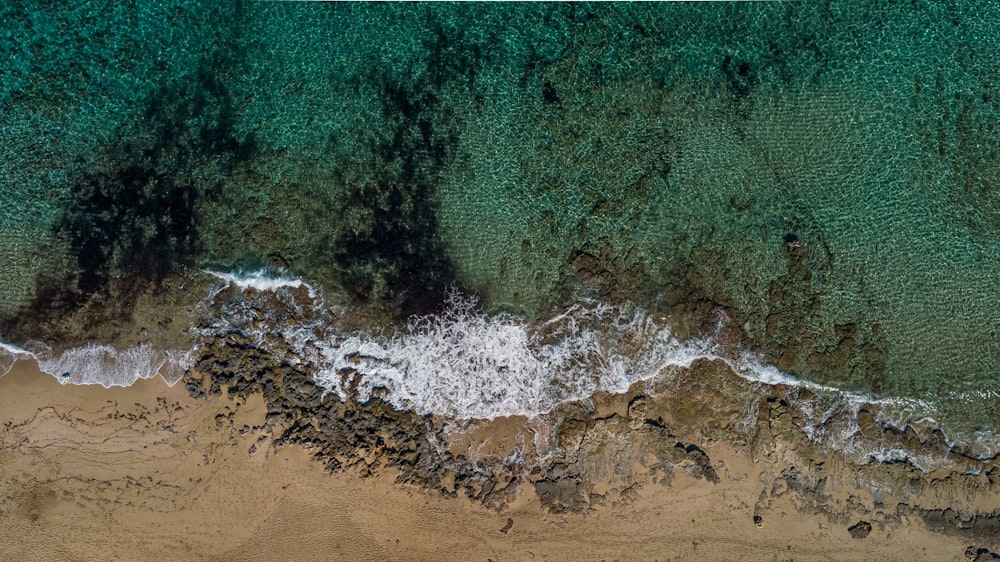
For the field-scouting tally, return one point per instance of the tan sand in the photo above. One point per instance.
(147, 473)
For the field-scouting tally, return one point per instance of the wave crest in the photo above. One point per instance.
(107, 366)
(464, 364)
(10, 354)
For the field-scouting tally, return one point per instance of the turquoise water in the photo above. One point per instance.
(829, 175)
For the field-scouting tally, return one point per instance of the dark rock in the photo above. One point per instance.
(974, 554)
(595, 441)
(194, 389)
(277, 262)
(981, 527)
(364, 435)
(701, 461)
(560, 495)
(860, 530)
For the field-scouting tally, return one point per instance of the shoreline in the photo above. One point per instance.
(419, 369)
(148, 470)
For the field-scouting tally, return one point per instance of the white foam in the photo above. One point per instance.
(99, 364)
(831, 417)
(10, 354)
(468, 365)
(464, 364)
(107, 366)
(261, 280)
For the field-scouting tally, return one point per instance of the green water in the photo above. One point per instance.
(828, 173)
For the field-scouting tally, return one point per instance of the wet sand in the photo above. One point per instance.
(149, 473)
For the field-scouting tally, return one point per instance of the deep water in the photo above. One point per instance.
(825, 175)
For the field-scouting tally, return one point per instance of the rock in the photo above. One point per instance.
(366, 436)
(604, 449)
(974, 554)
(860, 530)
(560, 495)
(701, 462)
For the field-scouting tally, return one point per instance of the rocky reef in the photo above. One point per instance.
(846, 462)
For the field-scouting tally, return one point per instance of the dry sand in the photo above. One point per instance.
(148, 473)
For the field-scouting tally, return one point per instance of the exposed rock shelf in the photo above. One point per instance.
(603, 451)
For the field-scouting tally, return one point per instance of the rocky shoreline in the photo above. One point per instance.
(602, 451)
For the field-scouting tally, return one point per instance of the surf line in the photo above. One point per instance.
(100, 364)
(461, 363)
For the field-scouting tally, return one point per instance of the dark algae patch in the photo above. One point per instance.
(388, 248)
(131, 216)
(119, 214)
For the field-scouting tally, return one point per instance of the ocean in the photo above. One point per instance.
(489, 209)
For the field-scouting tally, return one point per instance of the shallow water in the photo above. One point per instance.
(827, 175)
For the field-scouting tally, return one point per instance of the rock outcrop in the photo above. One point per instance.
(604, 450)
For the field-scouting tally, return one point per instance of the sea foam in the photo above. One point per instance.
(260, 280)
(465, 364)
(10, 354)
(99, 364)
(107, 366)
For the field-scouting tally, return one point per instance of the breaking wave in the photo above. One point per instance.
(464, 364)
(10, 354)
(260, 280)
(108, 366)
(100, 364)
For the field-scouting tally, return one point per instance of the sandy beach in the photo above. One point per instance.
(147, 472)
